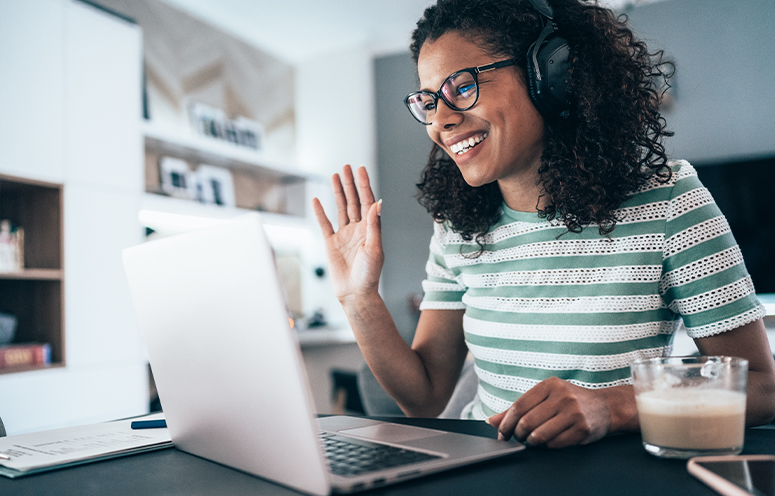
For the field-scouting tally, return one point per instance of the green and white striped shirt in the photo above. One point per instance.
(581, 306)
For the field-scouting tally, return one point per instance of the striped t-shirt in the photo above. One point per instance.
(580, 306)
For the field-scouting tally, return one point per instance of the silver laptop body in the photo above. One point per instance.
(230, 374)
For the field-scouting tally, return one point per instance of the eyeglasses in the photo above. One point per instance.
(460, 92)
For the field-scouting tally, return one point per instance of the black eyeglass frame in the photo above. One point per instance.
(474, 71)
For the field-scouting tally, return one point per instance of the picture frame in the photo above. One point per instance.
(215, 185)
(214, 123)
(249, 133)
(177, 179)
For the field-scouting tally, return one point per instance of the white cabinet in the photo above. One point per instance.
(70, 101)
(31, 88)
(99, 319)
(103, 81)
(104, 178)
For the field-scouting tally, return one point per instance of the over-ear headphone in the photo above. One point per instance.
(548, 67)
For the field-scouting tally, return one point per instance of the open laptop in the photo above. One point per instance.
(230, 375)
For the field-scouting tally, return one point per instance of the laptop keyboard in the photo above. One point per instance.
(349, 457)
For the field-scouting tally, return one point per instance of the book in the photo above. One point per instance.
(25, 355)
(26, 454)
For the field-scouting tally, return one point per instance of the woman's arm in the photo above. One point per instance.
(420, 378)
(749, 342)
(557, 413)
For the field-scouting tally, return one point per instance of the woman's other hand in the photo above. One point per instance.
(354, 251)
(556, 413)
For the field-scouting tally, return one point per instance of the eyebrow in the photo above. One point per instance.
(429, 90)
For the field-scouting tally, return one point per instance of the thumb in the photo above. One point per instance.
(374, 227)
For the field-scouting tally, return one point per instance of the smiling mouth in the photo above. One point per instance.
(467, 144)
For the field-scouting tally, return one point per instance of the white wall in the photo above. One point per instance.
(335, 112)
(724, 91)
(335, 122)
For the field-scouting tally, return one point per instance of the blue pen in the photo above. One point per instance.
(149, 424)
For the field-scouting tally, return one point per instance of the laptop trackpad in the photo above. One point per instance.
(392, 433)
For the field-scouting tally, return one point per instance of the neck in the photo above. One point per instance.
(522, 192)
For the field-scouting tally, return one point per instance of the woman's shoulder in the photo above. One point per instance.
(680, 171)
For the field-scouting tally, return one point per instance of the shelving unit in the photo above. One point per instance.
(35, 294)
(261, 182)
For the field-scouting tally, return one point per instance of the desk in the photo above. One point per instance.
(615, 465)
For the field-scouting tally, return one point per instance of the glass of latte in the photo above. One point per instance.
(691, 406)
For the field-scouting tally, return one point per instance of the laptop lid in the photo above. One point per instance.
(240, 397)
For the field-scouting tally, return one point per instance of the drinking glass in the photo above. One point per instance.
(691, 406)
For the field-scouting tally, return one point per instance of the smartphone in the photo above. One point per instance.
(739, 475)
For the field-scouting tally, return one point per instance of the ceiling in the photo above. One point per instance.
(298, 30)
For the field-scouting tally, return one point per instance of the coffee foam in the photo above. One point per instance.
(691, 402)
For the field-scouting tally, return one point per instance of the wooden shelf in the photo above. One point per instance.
(315, 337)
(14, 370)
(213, 151)
(34, 275)
(261, 182)
(35, 294)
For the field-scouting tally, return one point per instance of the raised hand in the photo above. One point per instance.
(354, 251)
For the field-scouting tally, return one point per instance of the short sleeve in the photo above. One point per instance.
(442, 288)
(704, 279)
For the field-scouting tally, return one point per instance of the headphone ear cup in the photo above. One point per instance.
(551, 94)
(533, 89)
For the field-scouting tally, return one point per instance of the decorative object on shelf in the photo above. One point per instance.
(177, 179)
(212, 122)
(250, 133)
(215, 185)
(317, 319)
(11, 247)
(7, 328)
(25, 355)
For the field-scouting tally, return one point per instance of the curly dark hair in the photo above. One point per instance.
(593, 160)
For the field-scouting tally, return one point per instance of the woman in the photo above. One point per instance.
(565, 243)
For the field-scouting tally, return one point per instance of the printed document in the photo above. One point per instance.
(49, 450)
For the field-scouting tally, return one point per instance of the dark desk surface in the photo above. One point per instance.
(615, 465)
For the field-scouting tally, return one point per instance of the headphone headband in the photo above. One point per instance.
(543, 8)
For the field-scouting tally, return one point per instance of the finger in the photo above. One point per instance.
(320, 214)
(364, 190)
(341, 201)
(351, 193)
(535, 418)
(495, 420)
(374, 229)
(508, 423)
(563, 434)
(529, 400)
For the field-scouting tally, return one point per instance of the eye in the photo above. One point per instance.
(466, 90)
(460, 86)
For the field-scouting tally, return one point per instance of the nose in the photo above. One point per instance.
(445, 117)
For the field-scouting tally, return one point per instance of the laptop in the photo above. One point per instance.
(230, 375)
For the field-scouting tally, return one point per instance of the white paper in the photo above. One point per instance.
(74, 444)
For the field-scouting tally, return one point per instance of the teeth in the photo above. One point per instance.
(465, 145)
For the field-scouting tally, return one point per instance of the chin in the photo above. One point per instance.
(475, 181)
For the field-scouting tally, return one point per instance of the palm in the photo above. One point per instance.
(354, 252)
(354, 267)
